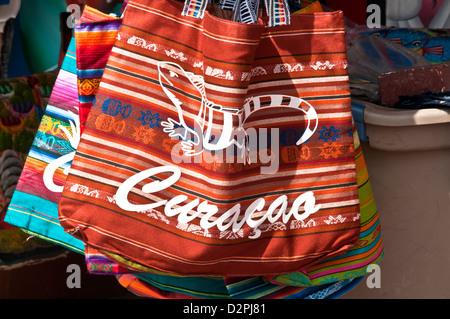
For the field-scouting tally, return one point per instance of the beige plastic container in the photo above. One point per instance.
(408, 158)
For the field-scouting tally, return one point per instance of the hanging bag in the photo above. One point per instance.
(217, 147)
(34, 206)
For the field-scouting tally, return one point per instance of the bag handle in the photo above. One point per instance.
(277, 10)
(194, 8)
(246, 11)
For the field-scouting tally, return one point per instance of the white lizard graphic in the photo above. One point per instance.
(200, 128)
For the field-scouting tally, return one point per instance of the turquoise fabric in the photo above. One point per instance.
(199, 287)
(42, 225)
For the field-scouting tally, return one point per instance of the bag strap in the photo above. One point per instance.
(228, 4)
(277, 10)
(247, 11)
(194, 8)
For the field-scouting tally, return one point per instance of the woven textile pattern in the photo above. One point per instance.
(95, 34)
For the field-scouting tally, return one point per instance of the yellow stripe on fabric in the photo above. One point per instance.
(25, 213)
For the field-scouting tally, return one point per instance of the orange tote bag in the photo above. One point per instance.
(217, 147)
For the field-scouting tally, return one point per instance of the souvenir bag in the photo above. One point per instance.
(178, 166)
(34, 204)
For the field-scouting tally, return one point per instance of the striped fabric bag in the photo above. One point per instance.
(34, 206)
(220, 149)
(95, 34)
